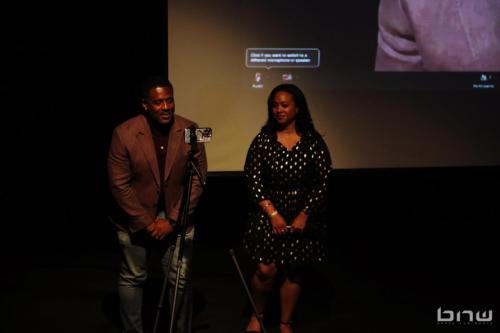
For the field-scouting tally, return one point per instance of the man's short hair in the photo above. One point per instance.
(153, 82)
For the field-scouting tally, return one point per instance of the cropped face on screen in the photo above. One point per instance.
(444, 35)
(284, 108)
(329, 49)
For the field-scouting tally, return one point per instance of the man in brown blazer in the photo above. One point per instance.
(147, 162)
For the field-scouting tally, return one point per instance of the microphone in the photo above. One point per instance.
(191, 131)
(192, 137)
(197, 135)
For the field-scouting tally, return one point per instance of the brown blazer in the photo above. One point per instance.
(134, 175)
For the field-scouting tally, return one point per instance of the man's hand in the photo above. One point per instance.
(160, 228)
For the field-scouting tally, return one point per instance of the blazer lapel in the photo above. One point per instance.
(175, 140)
(145, 139)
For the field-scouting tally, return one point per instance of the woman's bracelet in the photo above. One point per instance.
(273, 214)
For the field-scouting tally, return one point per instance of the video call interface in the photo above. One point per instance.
(355, 61)
(386, 44)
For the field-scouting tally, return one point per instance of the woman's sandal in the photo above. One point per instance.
(287, 323)
(261, 316)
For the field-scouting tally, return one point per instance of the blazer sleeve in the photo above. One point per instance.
(120, 177)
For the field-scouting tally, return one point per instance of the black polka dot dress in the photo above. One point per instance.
(293, 180)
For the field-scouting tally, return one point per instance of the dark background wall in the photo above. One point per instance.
(72, 72)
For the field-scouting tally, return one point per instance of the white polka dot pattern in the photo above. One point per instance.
(293, 180)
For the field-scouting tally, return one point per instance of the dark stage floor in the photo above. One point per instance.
(378, 282)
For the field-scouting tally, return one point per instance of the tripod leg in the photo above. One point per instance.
(184, 309)
(168, 257)
(180, 291)
(249, 294)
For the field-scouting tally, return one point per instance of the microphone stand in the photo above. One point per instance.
(247, 290)
(188, 181)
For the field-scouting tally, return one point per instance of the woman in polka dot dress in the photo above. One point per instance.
(287, 169)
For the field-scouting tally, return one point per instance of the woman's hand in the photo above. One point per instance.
(277, 221)
(279, 224)
(299, 222)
